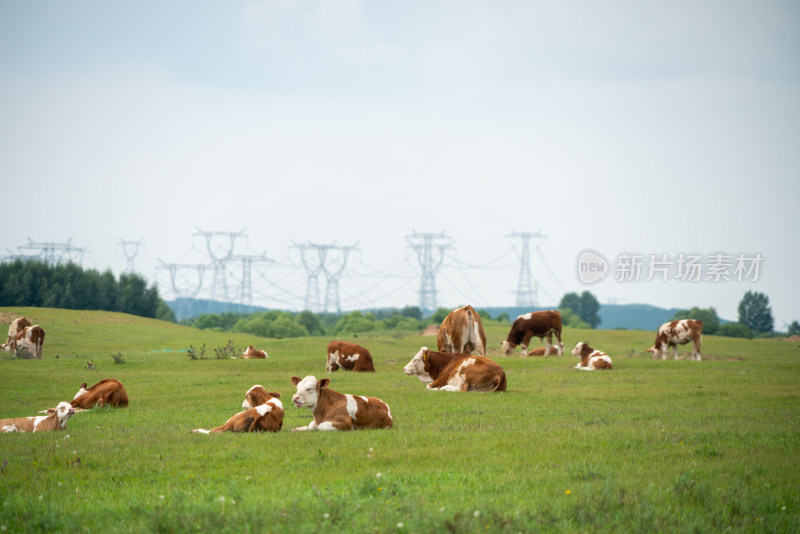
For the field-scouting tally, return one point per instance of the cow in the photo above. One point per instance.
(456, 372)
(540, 324)
(251, 353)
(462, 332)
(336, 411)
(591, 359)
(56, 419)
(675, 333)
(348, 356)
(540, 351)
(109, 391)
(28, 342)
(263, 412)
(16, 326)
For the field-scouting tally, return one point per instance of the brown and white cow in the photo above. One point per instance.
(336, 411)
(56, 419)
(591, 359)
(109, 391)
(28, 342)
(675, 333)
(456, 372)
(252, 353)
(16, 326)
(462, 332)
(540, 324)
(348, 356)
(263, 412)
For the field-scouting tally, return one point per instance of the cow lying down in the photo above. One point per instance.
(263, 412)
(107, 392)
(456, 372)
(591, 359)
(56, 419)
(336, 411)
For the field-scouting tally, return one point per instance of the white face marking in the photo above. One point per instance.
(64, 411)
(577, 350)
(352, 407)
(416, 367)
(507, 348)
(306, 395)
(246, 403)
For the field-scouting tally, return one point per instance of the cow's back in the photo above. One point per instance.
(462, 332)
(344, 351)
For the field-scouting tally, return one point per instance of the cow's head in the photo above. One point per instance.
(654, 352)
(81, 391)
(6, 347)
(63, 411)
(308, 390)
(507, 348)
(580, 347)
(257, 395)
(417, 366)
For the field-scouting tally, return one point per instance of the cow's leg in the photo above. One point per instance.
(548, 343)
(448, 387)
(559, 349)
(335, 425)
(10, 428)
(526, 340)
(675, 350)
(696, 352)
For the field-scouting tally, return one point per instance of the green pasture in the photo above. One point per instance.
(652, 446)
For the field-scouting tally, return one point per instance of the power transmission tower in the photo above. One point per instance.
(313, 265)
(333, 275)
(54, 253)
(130, 249)
(220, 251)
(527, 292)
(246, 286)
(182, 293)
(424, 245)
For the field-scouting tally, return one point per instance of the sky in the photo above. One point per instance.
(656, 130)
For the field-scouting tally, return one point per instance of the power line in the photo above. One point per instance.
(424, 245)
(526, 289)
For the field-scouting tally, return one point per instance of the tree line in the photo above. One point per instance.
(35, 283)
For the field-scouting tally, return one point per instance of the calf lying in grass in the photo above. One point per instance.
(591, 359)
(263, 412)
(334, 411)
(56, 419)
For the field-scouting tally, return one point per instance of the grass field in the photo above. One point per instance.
(662, 446)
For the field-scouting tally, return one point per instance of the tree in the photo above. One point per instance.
(754, 311)
(311, 322)
(708, 316)
(571, 319)
(794, 329)
(412, 311)
(584, 305)
(735, 330)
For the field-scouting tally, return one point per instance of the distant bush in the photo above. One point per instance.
(355, 322)
(708, 316)
(735, 330)
(571, 319)
(273, 323)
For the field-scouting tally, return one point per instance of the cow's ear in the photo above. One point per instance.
(425, 356)
(274, 394)
(51, 411)
(83, 386)
(295, 380)
(324, 383)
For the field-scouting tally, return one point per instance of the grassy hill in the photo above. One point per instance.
(650, 446)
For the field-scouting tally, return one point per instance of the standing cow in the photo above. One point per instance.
(348, 356)
(462, 332)
(675, 333)
(540, 324)
(28, 342)
(16, 326)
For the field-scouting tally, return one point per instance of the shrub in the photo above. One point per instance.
(735, 330)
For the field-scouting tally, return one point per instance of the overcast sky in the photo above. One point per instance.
(622, 127)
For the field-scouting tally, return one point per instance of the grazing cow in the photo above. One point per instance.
(252, 353)
(334, 411)
(28, 342)
(348, 356)
(456, 372)
(540, 324)
(540, 351)
(591, 359)
(56, 419)
(109, 392)
(675, 333)
(263, 412)
(16, 326)
(462, 332)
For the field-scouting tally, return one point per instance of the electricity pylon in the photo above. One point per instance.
(425, 244)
